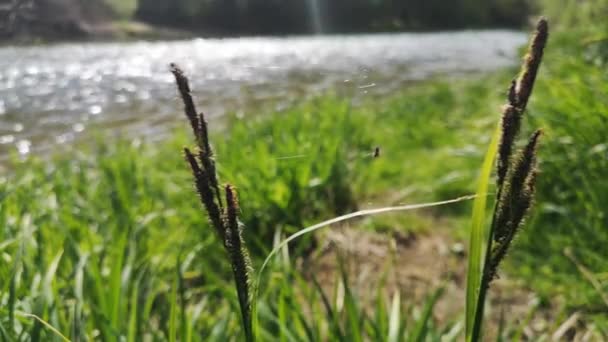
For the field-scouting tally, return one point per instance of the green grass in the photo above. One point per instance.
(94, 241)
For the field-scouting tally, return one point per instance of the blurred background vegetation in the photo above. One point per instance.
(77, 18)
(284, 16)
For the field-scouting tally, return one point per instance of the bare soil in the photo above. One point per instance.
(418, 264)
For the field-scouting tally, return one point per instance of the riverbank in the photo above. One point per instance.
(109, 31)
(70, 221)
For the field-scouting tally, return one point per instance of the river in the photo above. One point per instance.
(52, 95)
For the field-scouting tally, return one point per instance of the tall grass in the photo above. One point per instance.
(223, 217)
(515, 187)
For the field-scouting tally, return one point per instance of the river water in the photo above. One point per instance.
(52, 95)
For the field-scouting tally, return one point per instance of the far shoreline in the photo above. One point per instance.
(133, 31)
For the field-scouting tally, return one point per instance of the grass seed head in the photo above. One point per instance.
(183, 86)
(225, 221)
(191, 159)
(532, 61)
(518, 95)
(203, 132)
(239, 255)
(511, 122)
(515, 202)
(232, 208)
(205, 192)
(525, 164)
(512, 94)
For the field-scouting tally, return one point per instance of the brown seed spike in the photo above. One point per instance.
(205, 192)
(528, 187)
(515, 199)
(183, 86)
(512, 94)
(241, 262)
(518, 212)
(224, 220)
(525, 165)
(511, 122)
(203, 132)
(532, 61)
(196, 169)
(531, 181)
(209, 165)
(232, 204)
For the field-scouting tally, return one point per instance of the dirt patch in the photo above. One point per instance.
(416, 265)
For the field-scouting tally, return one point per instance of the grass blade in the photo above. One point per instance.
(394, 325)
(173, 313)
(381, 316)
(476, 240)
(46, 324)
(354, 330)
(423, 324)
(597, 285)
(132, 332)
(332, 315)
(49, 277)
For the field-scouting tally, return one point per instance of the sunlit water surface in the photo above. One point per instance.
(52, 95)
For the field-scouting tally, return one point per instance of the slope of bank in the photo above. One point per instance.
(25, 21)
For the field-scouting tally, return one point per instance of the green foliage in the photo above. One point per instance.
(463, 13)
(124, 9)
(259, 16)
(571, 13)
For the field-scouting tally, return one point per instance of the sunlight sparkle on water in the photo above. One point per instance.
(116, 85)
(7, 139)
(95, 110)
(23, 146)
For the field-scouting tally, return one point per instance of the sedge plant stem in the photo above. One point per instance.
(483, 290)
(485, 280)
